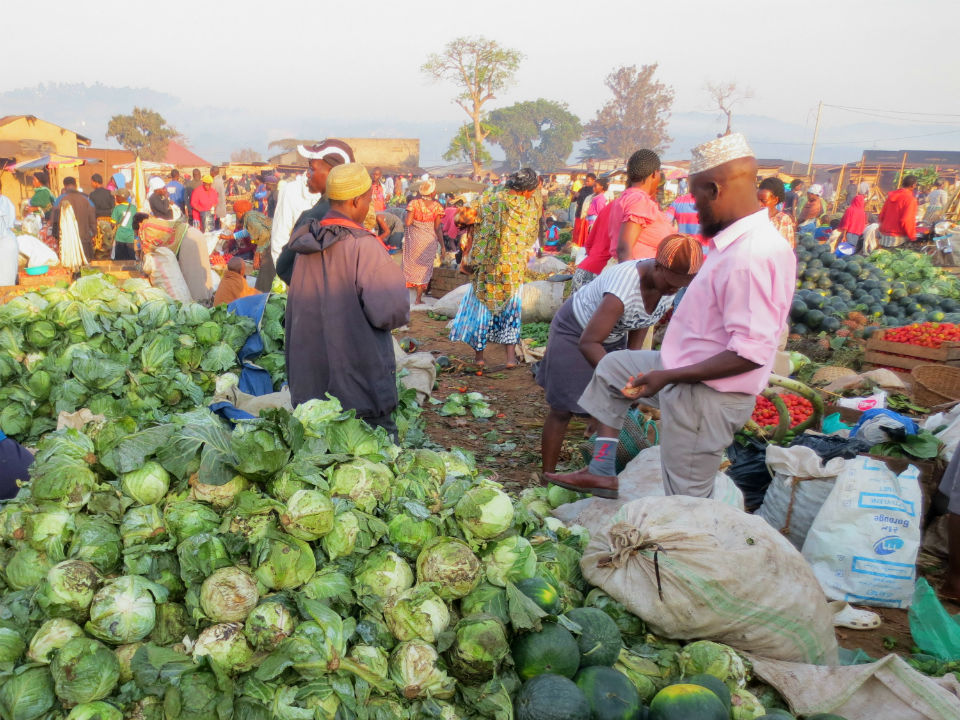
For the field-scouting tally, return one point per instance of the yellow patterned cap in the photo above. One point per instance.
(345, 182)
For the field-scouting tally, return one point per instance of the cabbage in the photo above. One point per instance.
(225, 645)
(185, 519)
(341, 541)
(172, 624)
(744, 705)
(268, 624)
(354, 437)
(27, 696)
(721, 661)
(26, 568)
(486, 599)
(68, 589)
(409, 535)
(366, 483)
(220, 496)
(83, 671)
(219, 358)
(200, 555)
(413, 667)
(260, 452)
(70, 485)
(52, 636)
(125, 655)
(484, 512)
(315, 415)
(451, 564)
(142, 525)
(228, 595)
(383, 573)
(123, 610)
(208, 333)
(510, 560)
(96, 710)
(148, 485)
(12, 646)
(283, 562)
(480, 645)
(309, 515)
(416, 613)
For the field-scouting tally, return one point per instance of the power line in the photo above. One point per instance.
(891, 117)
(855, 142)
(896, 112)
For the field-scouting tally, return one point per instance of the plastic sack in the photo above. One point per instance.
(863, 544)
(162, 268)
(540, 300)
(643, 477)
(748, 470)
(156, 233)
(881, 425)
(869, 402)
(696, 568)
(832, 447)
(933, 629)
(801, 484)
(546, 265)
(450, 303)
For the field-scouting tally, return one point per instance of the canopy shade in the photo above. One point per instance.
(458, 185)
(51, 160)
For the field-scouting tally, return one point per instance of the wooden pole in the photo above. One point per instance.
(836, 191)
(903, 164)
(813, 145)
(860, 173)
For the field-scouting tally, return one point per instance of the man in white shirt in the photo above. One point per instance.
(8, 242)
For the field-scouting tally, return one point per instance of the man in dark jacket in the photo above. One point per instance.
(82, 210)
(103, 205)
(345, 297)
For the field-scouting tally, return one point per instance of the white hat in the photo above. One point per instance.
(335, 152)
(717, 152)
(816, 189)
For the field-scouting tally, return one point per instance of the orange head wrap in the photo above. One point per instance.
(681, 254)
(242, 206)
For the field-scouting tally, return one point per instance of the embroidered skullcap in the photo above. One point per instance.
(681, 254)
(816, 190)
(346, 182)
(717, 152)
(332, 152)
(428, 187)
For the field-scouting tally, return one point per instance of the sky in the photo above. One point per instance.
(336, 64)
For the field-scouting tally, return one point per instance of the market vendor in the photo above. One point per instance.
(613, 312)
(719, 347)
(345, 297)
(203, 201)
(252, 233)
(15, 462)
(233, 284)
(42, 198)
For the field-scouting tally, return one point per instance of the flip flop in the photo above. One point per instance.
(847, 616)
(599, 492)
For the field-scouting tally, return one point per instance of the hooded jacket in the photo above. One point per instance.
(345, 297)
(854, 217)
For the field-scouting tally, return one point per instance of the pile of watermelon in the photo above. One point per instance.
(888, 289)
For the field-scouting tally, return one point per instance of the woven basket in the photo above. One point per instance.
(634, 437)
(828, 374)
(935, 384)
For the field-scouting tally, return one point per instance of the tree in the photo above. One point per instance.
(462, 148)
(144, 132)
(636, 117)
(245, 155)
(725, 96)
(537, 133)
(480, 68)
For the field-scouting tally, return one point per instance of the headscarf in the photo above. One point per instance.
(242, 206)
(681, 254)
(522, 180)
(428, 187)
(854, 217)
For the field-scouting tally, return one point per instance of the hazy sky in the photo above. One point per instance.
(351, 60)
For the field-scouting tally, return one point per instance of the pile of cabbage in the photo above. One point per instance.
(298, 566)
(120, 351)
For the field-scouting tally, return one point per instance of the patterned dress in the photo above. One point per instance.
(506, 231)
(420, 243)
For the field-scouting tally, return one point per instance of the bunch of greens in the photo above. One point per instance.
(299, 565)
(124, 351)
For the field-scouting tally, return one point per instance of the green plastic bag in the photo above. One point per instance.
(934, 630)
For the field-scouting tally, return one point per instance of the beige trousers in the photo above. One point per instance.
(697, 422)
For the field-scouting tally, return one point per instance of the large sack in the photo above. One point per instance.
(547, 265)
(541, 300)
(801, 484)
(164, 272)
(642, 477)
(416, 371)
(864, 542)
(450, 303)
(194, 259)
(888, 689)
(9, 259)
(697, 568)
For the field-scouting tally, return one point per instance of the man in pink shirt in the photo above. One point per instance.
(637, 224)
(720, 345)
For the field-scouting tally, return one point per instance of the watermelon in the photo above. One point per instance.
(777, 714)
(685, 701)
(798, 309)
(714, 684)
(610, 694)
(813, 319)
(542, 593)
(599, 638)
(552, 650)
(551, 697)
(825, 716)
(830, 324)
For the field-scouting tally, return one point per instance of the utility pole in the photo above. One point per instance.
(813, 147)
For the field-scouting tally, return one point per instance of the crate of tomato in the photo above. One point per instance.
(917, 344)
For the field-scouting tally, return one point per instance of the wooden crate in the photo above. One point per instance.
(882, 352)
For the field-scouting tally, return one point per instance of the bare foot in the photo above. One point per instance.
(584, 481)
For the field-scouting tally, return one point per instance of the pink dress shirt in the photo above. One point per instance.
(739, 301)
(634, 205)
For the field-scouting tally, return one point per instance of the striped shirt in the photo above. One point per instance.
(622, 281)
(683, 211)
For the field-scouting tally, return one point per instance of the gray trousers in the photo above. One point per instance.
(697, 422)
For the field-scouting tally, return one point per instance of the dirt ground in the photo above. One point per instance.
(509, 444)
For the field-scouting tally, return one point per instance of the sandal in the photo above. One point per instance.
(598, 492)
(847, 616)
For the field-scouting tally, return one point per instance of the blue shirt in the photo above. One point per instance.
(175, 192)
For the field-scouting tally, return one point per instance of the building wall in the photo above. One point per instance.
(64, 141)
(108, 157)
(386, 151)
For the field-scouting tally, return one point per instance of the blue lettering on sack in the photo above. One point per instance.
(885, 501)
(882, 568)
(887, 545)
(892, 520)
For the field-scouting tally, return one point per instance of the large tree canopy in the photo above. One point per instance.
(479, 68)
(143, 132)
(537, 133)
(635, 118)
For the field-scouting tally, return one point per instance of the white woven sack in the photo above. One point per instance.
(162, 268)
(697, 568)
